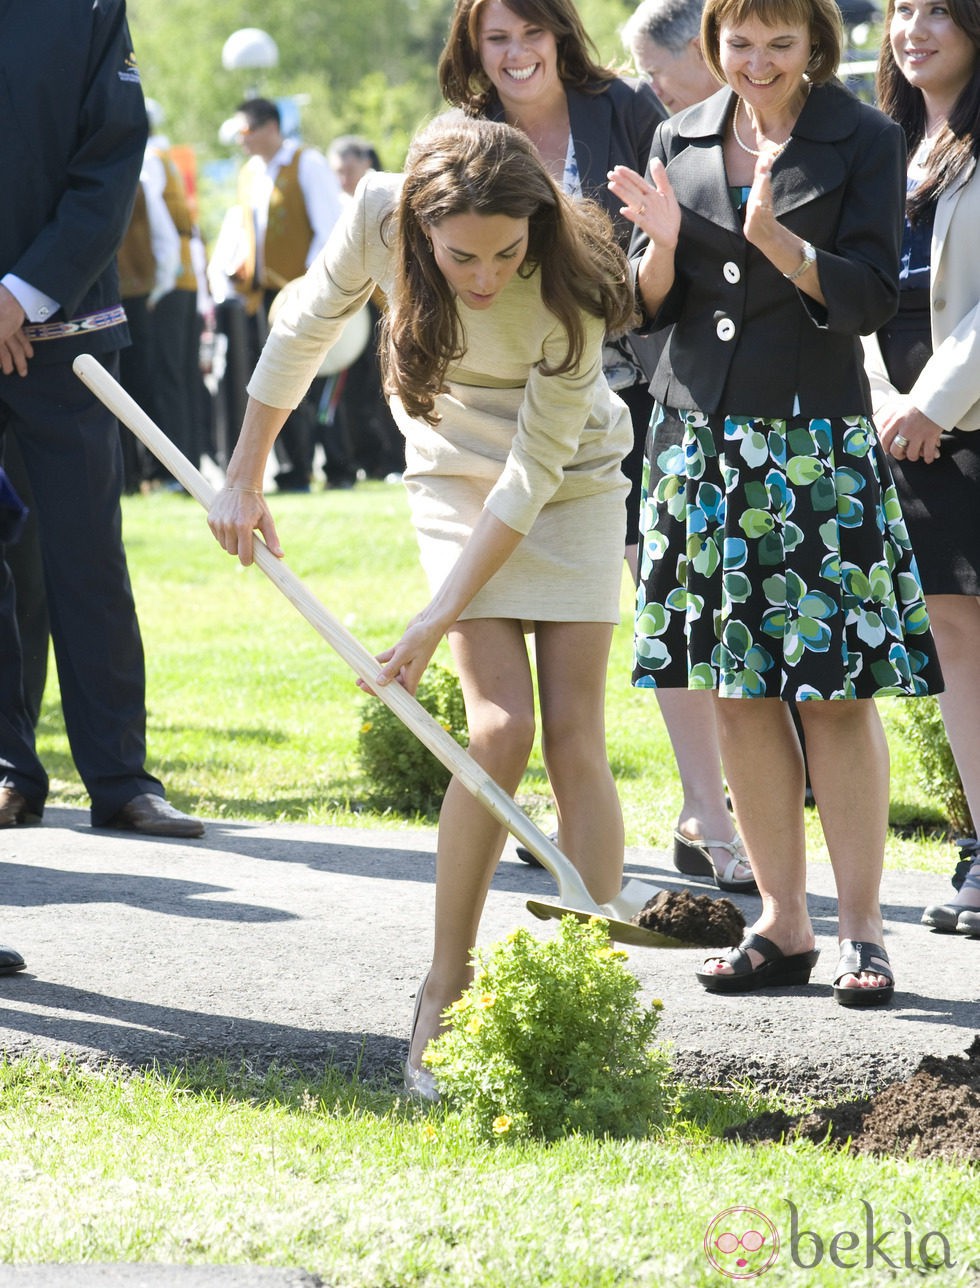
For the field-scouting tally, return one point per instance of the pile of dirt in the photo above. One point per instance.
(934, 1112)
(696, 919)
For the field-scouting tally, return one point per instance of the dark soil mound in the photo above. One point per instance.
(934, 1112)
(697, 919)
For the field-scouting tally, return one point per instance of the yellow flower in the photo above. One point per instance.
(611, 955)
(429, 1132)
(367, 726)
(474, 1025)
(502, 1124)
(461, 1004)
(657, 1004)
(487, 1000)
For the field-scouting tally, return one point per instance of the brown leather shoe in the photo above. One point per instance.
(15, 811)
(10, 961)
(153, 816)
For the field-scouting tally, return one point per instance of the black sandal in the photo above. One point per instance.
(776, 971)
(857, 957)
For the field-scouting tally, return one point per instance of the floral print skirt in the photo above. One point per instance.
(775, 563)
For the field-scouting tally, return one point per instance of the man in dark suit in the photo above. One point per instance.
(70, 159)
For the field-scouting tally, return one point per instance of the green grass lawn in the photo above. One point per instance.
(252, 716)
(347, 1182)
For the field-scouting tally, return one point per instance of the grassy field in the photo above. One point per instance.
(213, 1166)
(252, 716)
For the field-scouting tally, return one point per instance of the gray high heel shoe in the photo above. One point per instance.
(419, 1082)
(951, 917)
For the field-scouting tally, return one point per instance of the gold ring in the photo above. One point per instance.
(641, 208)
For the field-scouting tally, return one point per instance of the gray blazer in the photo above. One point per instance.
(741, 338)
(948, 390)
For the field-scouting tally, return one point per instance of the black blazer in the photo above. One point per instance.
(741, 339)
(70, 157)
(612, 124)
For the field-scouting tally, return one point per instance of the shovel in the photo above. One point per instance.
(573, 897)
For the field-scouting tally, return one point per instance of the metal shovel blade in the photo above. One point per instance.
(573, 896)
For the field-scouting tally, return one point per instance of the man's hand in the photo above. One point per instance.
(15, 348)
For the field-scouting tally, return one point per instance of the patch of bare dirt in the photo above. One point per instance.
(935, 1112)
(697, 919)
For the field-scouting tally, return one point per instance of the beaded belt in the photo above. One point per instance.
(90, 322)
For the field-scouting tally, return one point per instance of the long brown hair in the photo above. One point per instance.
(959, 139)
(461, 76)
(464, 165)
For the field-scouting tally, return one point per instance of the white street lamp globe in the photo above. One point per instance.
(249, 48)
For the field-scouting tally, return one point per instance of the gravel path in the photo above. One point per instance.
(305, 944)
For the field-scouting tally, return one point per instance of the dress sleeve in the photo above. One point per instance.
(859, 273)
(552, 417)
(337, 285)
(949, 384)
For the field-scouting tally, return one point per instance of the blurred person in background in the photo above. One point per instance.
(663, 38)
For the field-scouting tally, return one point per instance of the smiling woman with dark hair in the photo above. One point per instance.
(925, 363)
(501, 292)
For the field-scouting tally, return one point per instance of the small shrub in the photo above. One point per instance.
(402, 773)
(934, 766)
(550, 1038)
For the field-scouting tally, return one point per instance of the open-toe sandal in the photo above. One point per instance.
(693, 859)
(856, 958)
(777, 970)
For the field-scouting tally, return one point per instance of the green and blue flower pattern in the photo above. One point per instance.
(779, 567)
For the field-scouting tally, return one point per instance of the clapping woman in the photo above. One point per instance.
(925, 363)
(775, 563)
(501, 291)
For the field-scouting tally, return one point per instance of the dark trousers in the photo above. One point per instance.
(136, 377)
(24, 561)
(69, 445)
(174, 374)
(296, 441)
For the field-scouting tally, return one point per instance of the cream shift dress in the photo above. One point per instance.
(542, 453)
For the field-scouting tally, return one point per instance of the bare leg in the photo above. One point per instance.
(849, 773)
(692, 726)
(764, 765)
(956, 627)
(495, 676)
(572, 658)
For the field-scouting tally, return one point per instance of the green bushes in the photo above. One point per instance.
(402, 774)
(934, 766)
(551, 1038)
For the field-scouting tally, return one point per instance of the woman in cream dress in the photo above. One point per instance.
(501, 290)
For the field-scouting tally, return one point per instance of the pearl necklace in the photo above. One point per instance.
(775, 148)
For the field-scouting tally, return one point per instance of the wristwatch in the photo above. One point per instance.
(809, 257)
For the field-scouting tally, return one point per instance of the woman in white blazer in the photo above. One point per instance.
(924, 366)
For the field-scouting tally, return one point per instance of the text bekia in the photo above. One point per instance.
(849, 1249)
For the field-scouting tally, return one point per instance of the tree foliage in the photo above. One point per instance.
(358, 67)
